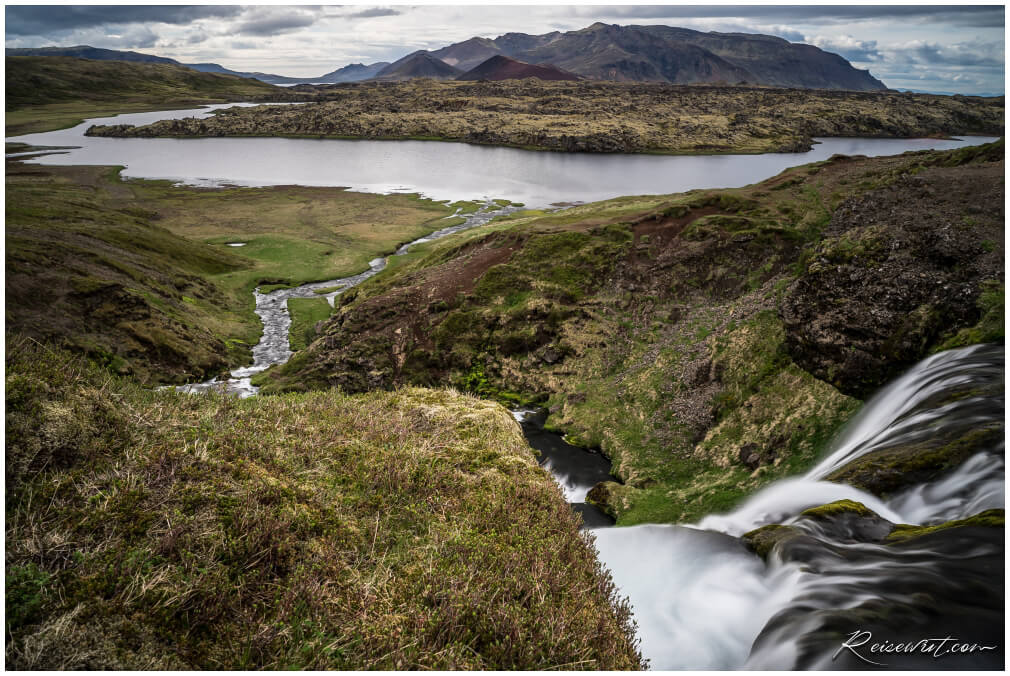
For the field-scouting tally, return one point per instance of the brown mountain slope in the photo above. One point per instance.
(469, 53)
(417, 65)
(503, 68)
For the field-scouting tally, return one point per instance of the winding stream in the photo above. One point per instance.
(272, 308)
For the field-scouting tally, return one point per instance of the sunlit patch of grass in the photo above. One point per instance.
(305, 313)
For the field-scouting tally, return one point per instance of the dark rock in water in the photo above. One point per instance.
(936, 583)
(108, 129)
(602, 496)
(762, 540)
(889, 470)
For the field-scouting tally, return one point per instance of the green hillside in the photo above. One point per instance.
(49, 92)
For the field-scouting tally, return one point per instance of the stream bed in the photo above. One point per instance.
(575, 469)
(274, 347)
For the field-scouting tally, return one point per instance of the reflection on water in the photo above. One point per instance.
(437, 170)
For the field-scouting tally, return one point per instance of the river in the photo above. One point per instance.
(701, 600)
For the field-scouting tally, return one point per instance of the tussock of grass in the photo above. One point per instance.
(394, 530)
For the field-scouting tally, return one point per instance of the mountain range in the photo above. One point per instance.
(598, 52)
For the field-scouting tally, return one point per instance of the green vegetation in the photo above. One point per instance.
(94, 270)
(601, 116)
(46, 93)
(305, 313)
(136, 272)
(160, 530)
(293, 234)
(991, 328)
(654, 327)
(991, 518)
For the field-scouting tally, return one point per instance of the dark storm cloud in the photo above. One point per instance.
(274, 21)
(38, 20)
(988, 56)
(975, 16)
(370, 13)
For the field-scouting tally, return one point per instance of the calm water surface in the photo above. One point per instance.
(437, 170)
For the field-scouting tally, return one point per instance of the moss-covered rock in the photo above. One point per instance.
(905, 534)
(762, 540)
(890, 470)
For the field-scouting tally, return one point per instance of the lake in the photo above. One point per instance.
(438, 170)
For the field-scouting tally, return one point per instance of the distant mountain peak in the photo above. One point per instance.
(501, 67)
(669, 54)
(416, 65)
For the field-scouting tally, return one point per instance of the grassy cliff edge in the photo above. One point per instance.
(393, 530)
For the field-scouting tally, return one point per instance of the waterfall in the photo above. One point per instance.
(703, 601)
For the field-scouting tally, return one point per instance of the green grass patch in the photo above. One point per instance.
(305, 313)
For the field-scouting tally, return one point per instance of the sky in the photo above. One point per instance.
(957, 49)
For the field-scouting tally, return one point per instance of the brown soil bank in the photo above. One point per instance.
(598, 117)
(708, 342)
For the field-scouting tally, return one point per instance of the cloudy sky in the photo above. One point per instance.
(924, 47)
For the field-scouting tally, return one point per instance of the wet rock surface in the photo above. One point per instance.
(867, 587)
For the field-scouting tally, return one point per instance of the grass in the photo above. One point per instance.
(305, 313)
(604, 117)
(137, 271)
(36, 119)
(394, 530)
(46, 93)
(293, 234)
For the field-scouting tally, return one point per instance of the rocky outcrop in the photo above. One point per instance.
(897, 268)
(594, 116)
(888, 583)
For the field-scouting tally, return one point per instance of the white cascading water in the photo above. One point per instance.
(701, 599)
